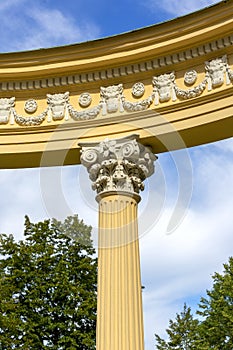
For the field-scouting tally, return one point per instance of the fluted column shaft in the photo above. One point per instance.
(117, 169)
(119, 316)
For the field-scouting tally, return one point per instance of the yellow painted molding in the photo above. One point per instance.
(189, 115)
(119, 316)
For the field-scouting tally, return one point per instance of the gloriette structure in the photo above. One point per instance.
(111, 104)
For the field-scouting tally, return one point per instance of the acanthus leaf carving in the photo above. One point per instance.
(118, 165)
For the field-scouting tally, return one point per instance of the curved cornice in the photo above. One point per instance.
(184, 37)
(134, 83)
(158, 63)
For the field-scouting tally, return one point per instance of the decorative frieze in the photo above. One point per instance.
(164, 88)
(119, 165)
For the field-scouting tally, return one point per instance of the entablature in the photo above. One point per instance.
(175, 78)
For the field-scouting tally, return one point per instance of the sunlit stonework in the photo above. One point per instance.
(111, 97)
(190, 77)
(57, 105)
(138, 89)
(30, 105)
(6, 105)
(215, 71)
(164, 87)
(85, 99)
(118, 165)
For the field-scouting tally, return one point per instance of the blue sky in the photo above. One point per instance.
(176, 267)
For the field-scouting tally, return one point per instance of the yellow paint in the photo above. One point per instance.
(195, 121)
(119, 310)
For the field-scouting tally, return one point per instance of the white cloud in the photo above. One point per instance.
(225, 145)
(178, 267)
(52, 28)
(10, 5)
(175, 267)
(31, 26)
(179, 7)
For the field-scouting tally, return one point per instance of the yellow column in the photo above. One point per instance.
(117, 169)
(119, 320)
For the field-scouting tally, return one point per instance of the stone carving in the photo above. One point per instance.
(111, 98)
(30, 121)
(138, 106)
(6, 106)
(30, 105)
(85, 99)
(229, 75)
(57, 106)
(118, 165)
(84, 115)
(164, 87)
(215, 70)
(138, 89)
(191, 93)
(190, 77)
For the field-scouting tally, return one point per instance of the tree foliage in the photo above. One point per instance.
(182, 333)
(217, 310)
(48, 287)
(215, 328)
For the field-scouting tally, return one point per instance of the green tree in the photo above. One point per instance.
(183, 333)
(48, 287)
(217, 310)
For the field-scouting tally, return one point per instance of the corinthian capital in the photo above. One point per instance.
(118, 165)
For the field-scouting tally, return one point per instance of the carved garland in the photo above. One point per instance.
(190, 93)
(112, 98)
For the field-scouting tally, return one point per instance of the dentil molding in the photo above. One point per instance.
(121, 71)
